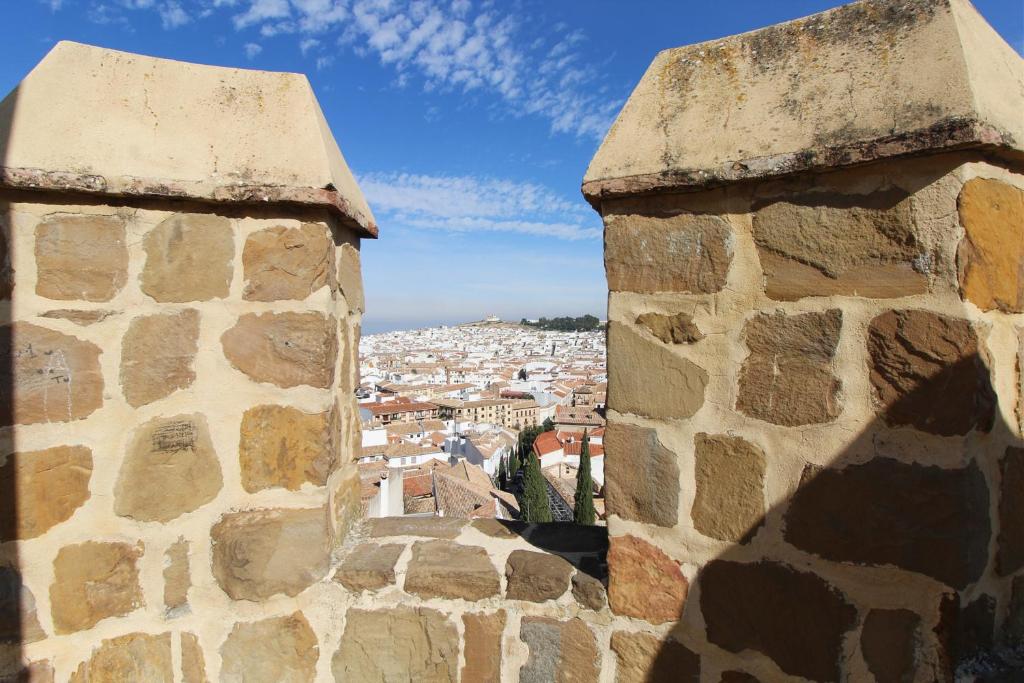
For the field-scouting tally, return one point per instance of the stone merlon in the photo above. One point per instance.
(863, 82)
(98, 121)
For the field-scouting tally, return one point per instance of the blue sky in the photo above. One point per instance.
(469, 123)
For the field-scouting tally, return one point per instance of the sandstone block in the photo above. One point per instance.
(92, 581)
(588, 591)
(482, 646)
(259, 553)
(686, 253)
(350, 277)
(728, 501)
(287, 263)
(50, 485)
(637, 364)
(1013, 626)
(157, 356)
(430, 527)
(286, 349)
(52, 377)
(177, 578)
(1010, 556)
(560, 651)
(82, 318)
(170, 469)
(671, 329)
(369, 567)
(443, 569)
(189, 258)
(928, 372)
(787, 379)
(279, 649)
(924, 519)
(642, 476)
(81, 257)
(400, 644)
(888, 640)
(285, 447)
(132, 657)
(193, 664)
(644, 582)
(973, 629)
(19, 619)
(6, 271)
(826, 244)
(795, 618)
(536, 577)
(738, 677)
(566, 537)
(642, 658)
(990, 258)
(499, 528)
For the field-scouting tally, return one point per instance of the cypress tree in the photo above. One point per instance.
(583, 511)
(502, 474)
(534, 504)
(548, 425)
(514, 464)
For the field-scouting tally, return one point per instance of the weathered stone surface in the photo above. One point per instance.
(644, 582)
(177, 578)
(279, 649)
(82, 318)
(826, 244)
(285, 447)
(888, 641)
(81, 257)
(259, 553)
(924, 519)
(170, 469)
(787, 379)
(974, 628)
(55, 377)
(566, 537)
(193, 664)
(442, 569)
(499, 528)
(369, 566)
(287, 263)
(671, 329)
(684, 253)
(286, 349)
(189, 258)
(430, 527)
(536, 576)
(6, 271)
(132, 657)
(636, 364)
(560, 651)
(400, 644)
(1013, 627)
(157, 356)
(482, 647)
(1010, 555)
(350, 277)
(588, 591)
(40, 671)
(728, 500)
(738, 677)
(928, 372)
(641, 475)
(643, 658)
(19, 620)
(990, 259)
(793, 617)
(92, 581)
(45, 488)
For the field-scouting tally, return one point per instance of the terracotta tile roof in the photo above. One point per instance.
(547, 442)
(419, 485)
(463, 494)
(398, 407)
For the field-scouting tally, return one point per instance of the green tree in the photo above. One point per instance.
(502, 474)
(527, 436)
(514, 464)
(583, 511)
(548, 425)
(534, 503)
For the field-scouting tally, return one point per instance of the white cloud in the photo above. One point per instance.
(308, 44)
(252, 50)
(262, 10)
(172, 15)
(53, 4)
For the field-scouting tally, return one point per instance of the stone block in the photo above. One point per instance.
(53, 377)
(788, 378)
(284, 447)
(443, 569)
(536, 577)
(888, 641)
(132, 657)
(193, 663)
(499, 528)
(641, 475)
(81, 318)
(81, 257)
(990, 258)
(189, 257)
(177, 577)
(738, 677)
(92, 581)
(369, 567)
(589, 592)
(50, 485)
(285, 349)
(644, 582)
(170, 469)
(566, 537)
(728, 500)
(1010, 553)
(560, 651)
(920, 518)
(928, 372)
(19, 619)
(636, 364)
(260, 553)
(483, 646)
(400, 644)
(430, 527)
(688, 253)
(6, 271)
(671, 329)
(793, 617)
(278, 649)
(287, 263)
(1013, 626)
(643, 658)
(158, 356)
(350, 277)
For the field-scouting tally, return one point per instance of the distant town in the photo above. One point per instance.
(485, 419)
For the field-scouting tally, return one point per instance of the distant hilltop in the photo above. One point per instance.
(584, 323)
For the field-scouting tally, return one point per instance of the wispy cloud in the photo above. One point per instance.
(252, 50)
(468, 204)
